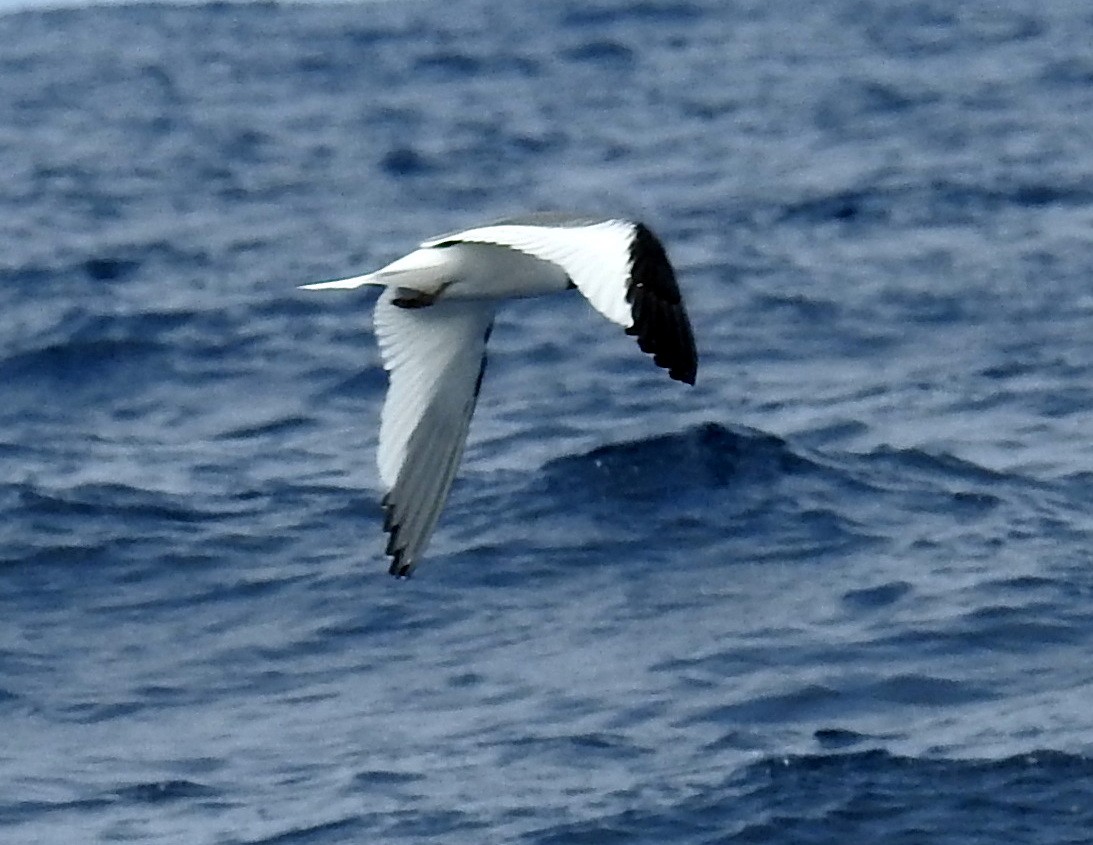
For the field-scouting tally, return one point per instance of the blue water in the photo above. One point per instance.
(839, 592)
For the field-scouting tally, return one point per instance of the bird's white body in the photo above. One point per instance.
(434, 317)
(481, 271)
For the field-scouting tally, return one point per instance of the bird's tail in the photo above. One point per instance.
(344, 284)
(423, 270)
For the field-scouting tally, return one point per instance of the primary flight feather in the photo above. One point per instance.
(434, 317)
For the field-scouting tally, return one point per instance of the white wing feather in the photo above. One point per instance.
(595, 256)
(434, 357)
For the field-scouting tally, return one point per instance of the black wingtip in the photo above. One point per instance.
(399, 568)
(660, 322)
(685, 376)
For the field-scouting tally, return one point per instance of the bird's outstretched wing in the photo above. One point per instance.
(435, 358)
(621, 268)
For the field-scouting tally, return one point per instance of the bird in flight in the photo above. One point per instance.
(434, 317)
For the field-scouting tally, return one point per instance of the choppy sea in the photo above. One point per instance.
(839, 592)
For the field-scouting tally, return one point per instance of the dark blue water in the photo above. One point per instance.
(840, 592)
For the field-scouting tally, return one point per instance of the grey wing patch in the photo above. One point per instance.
(556, 219)
(545, 219)
(412, 507)
(660, 322)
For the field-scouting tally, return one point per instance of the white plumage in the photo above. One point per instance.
(434, 317)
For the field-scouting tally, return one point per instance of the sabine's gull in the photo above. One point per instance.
(434, 317)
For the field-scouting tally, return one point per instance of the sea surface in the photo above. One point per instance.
(841, 591)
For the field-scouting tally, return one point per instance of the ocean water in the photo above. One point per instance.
(841, 591)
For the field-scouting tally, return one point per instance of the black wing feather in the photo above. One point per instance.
(660, 321)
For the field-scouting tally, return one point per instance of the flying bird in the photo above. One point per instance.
(434, 316)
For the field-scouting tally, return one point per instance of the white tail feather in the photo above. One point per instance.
(344, 284)
(426, 267)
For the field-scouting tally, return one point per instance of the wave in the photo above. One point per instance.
(942, 201)
(886, 797)
(162, 791)
(731, 493)
(79, 365)
(712, 456)
(709, 455)
(119, 501)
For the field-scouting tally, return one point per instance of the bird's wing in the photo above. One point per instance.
(621, 268)
(435, 358)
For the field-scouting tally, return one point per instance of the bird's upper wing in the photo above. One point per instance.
(435, 357)
(621, 268)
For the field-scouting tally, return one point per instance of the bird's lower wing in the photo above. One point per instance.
(435, 357)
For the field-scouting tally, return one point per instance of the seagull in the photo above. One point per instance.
(434, 316)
